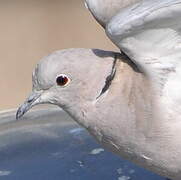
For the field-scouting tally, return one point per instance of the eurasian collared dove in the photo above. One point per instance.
(132, 107)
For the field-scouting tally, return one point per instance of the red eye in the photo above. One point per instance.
(62, 80)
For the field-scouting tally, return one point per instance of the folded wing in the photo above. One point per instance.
(149, 33)
(104, 10)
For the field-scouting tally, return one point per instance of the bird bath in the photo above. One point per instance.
(47, 144)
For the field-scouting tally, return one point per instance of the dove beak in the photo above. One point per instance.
(31, 101)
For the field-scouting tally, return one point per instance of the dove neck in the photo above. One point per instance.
(79, 113)
(120, 100)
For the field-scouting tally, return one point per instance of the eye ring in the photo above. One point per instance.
(62, 80)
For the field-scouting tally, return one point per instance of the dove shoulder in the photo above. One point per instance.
(149, 33)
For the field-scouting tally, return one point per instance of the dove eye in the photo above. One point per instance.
(62, 80)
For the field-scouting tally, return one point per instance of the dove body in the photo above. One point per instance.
(114, 101)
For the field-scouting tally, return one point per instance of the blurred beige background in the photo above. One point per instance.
(30, 29)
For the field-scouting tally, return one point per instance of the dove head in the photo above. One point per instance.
(71, 79)
(104, 10)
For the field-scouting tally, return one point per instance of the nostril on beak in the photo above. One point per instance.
(30, 100)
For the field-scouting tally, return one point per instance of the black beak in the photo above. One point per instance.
(28, 104)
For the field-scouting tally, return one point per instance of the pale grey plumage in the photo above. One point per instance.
(104, 10)
(149, 33)
(124, 113)
(138, 115)
(87, 70)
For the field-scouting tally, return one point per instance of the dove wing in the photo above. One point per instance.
(149, 33)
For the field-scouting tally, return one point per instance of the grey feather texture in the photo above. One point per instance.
(127, 118)
(130, 102)
(104, 10)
